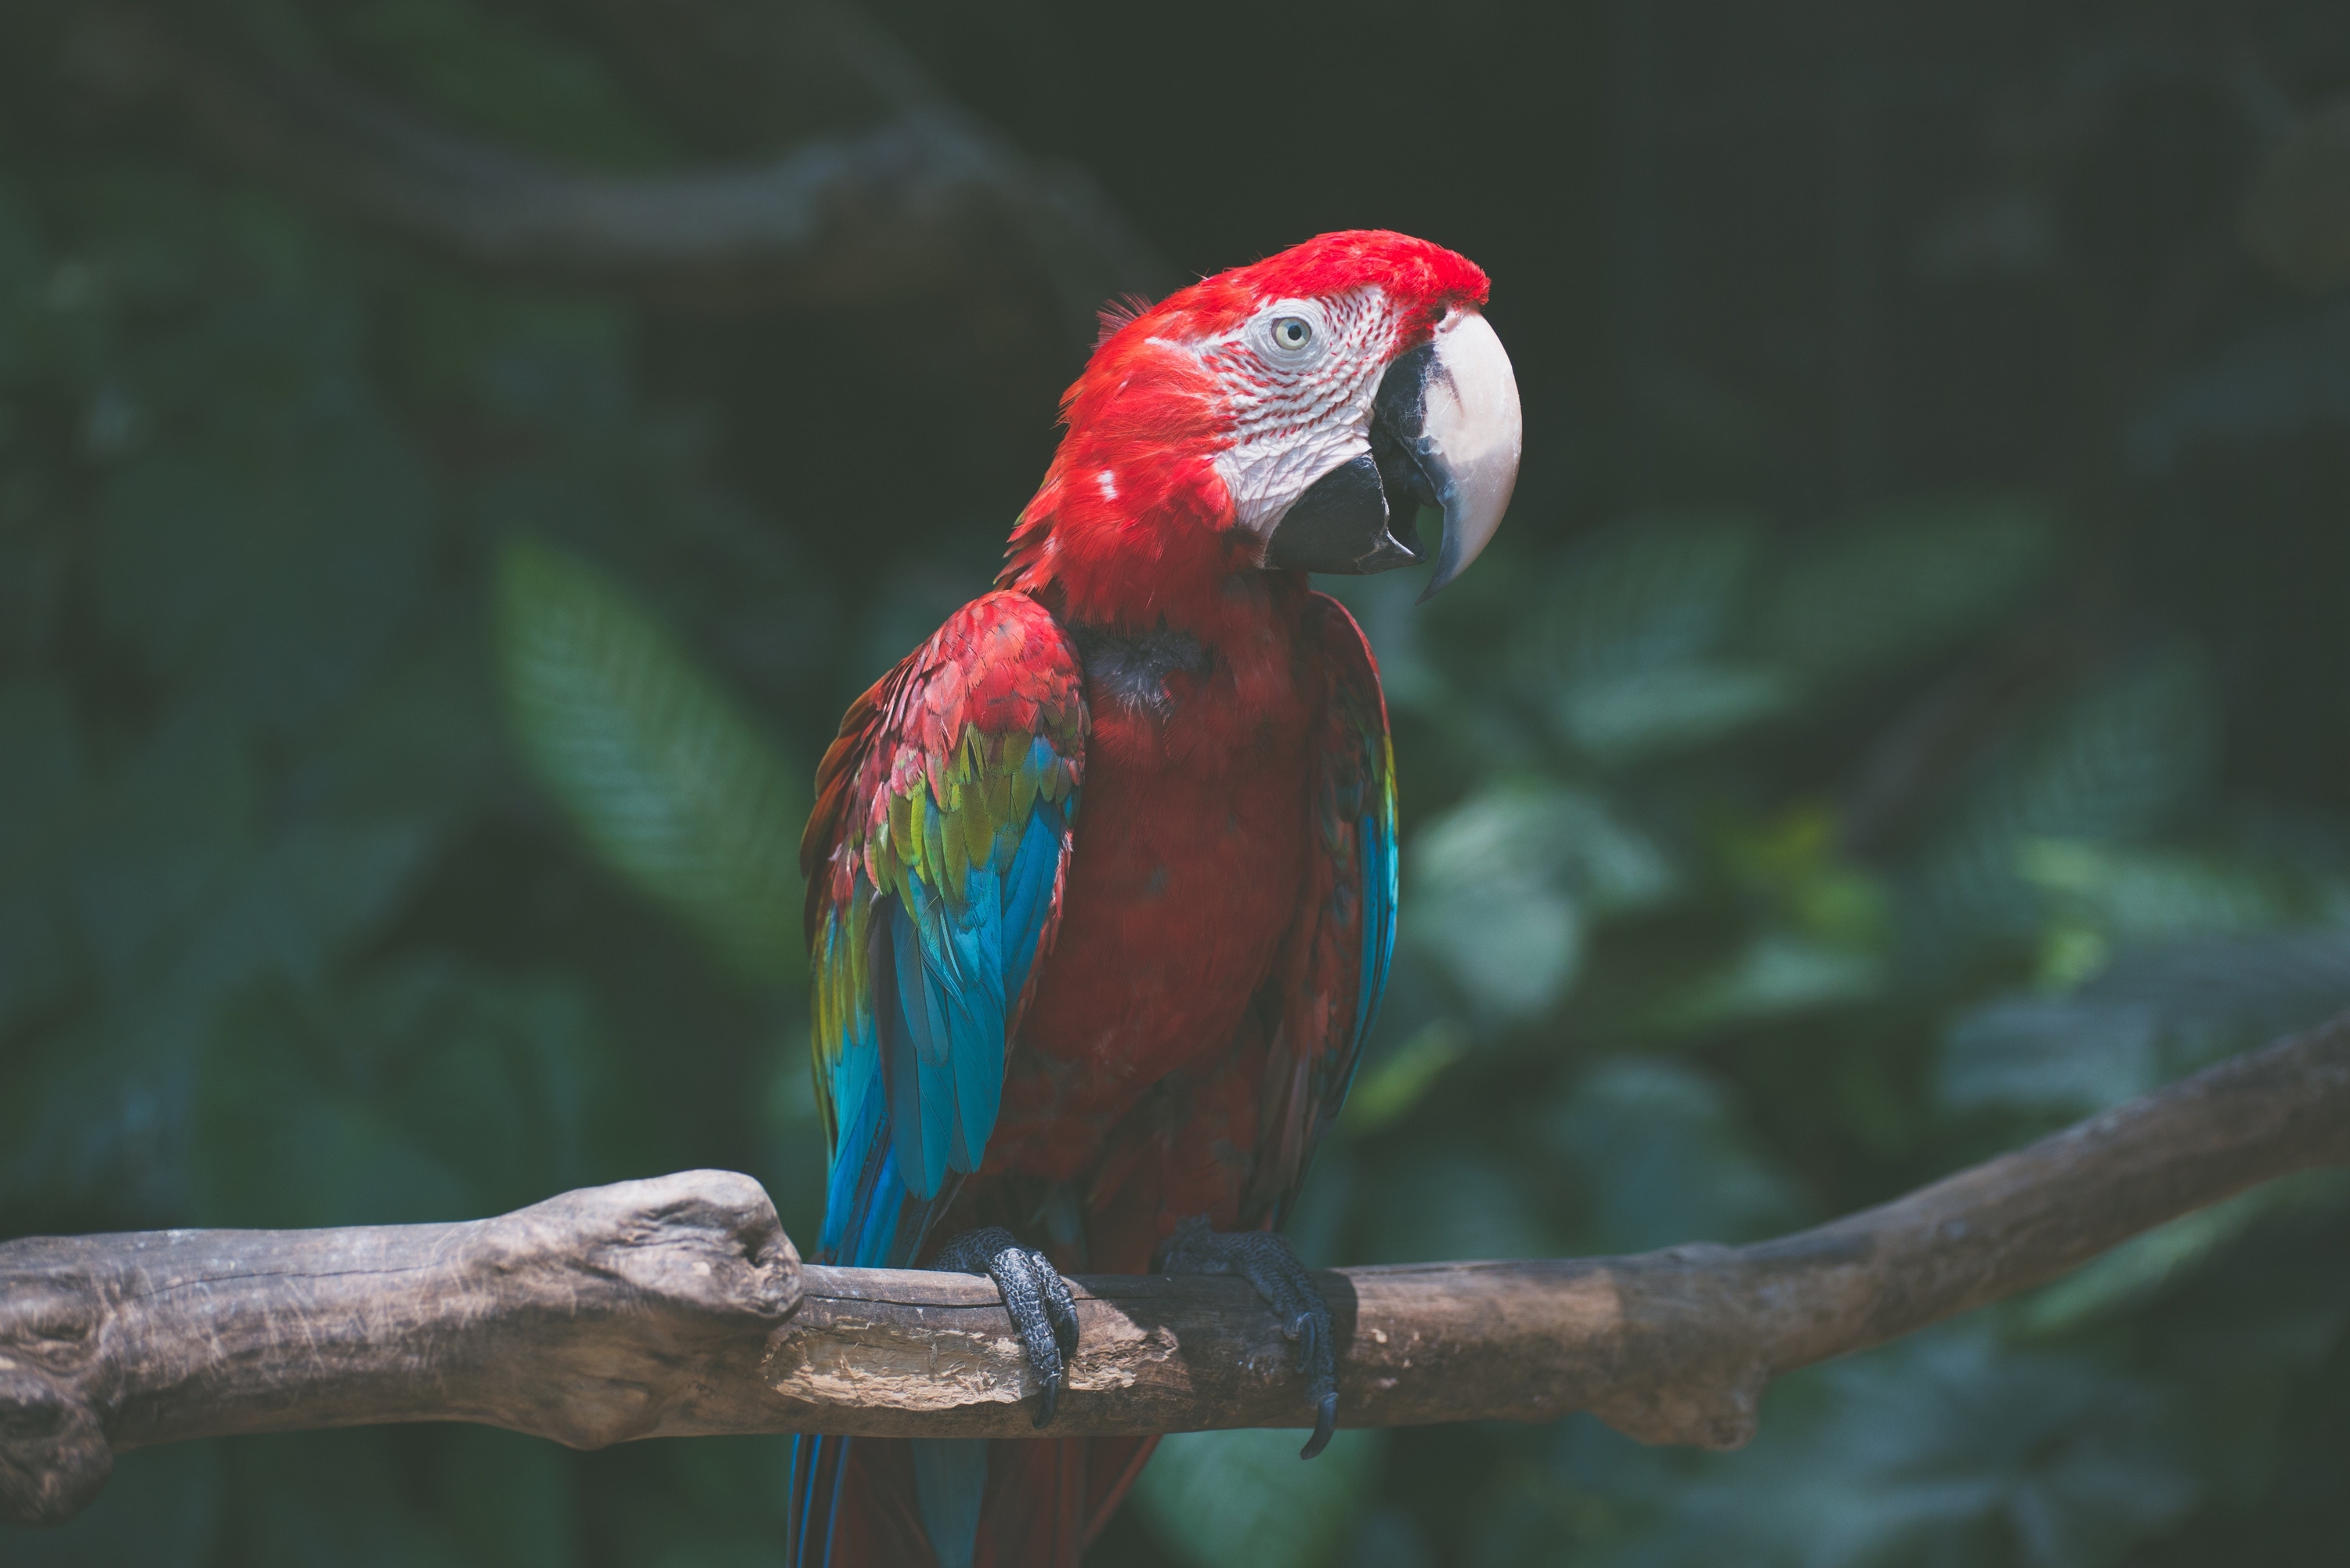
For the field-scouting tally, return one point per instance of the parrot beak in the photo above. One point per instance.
(1464, 443)
(1445, 432)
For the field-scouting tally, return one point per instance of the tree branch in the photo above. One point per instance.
(922, 201)
(677, 1307)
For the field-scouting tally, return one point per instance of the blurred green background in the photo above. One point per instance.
(1908, 710)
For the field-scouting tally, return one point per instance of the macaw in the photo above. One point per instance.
(1102, 877)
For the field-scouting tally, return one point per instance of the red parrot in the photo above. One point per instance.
(1102, 877)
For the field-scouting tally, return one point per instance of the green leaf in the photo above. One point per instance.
(1661, 1149)
(668, 782)
(2123, 759)
(1509, 934)
(1393, 1084)
(2118, 762)
(2063, 1057)
(1777, 975)
(1900, 585)
(2141, 1267)
(1503, 886)
(1796, 865)
(1626, 657)
(1637, 714)
(2099, 897)
(1218, 1499)
(2154, 1012)
(1649, 594)
(1944, 1448)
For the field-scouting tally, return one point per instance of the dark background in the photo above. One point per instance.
(1906, 710)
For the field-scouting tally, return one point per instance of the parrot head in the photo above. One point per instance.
(1291, 415)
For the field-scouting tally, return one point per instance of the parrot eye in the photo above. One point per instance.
(1293, 332)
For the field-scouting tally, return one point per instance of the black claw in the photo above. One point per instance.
(1270, 1266)
(1037, 1300)
(1061, 1307)
(1326, 1421)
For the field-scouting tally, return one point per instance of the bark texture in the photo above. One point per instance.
(677, 1307)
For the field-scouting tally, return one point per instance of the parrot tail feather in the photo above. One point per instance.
(1112, 1467)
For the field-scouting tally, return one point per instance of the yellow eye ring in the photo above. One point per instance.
(1293, 332)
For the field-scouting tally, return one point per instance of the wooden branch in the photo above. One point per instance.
(923, 201)
(677, 1307)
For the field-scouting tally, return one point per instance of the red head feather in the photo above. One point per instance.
(1134, 520)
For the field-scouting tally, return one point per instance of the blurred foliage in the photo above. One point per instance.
(1230, 1497)
(408, 684)
(667, 782)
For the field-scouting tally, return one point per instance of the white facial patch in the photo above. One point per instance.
(1298, 408)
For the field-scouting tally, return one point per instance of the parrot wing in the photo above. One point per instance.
(935, 856)
(1336, 963)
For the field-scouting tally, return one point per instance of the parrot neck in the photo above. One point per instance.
(1133, 528)
(1138, 547)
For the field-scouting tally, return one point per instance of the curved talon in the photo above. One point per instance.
(1037, 1300)
(1271, 1267)
(1325, 1422)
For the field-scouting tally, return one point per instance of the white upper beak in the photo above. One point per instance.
(1471, 434)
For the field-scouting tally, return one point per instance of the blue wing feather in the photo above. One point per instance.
(936, 856)
(937, 851)
(954, 975)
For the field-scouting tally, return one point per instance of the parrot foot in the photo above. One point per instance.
(1267, 1261)
(1044, 1313)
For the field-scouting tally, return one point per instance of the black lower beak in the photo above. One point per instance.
(1348, 521)
(1341, 525)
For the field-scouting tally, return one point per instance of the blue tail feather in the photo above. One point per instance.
(950, 1485)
